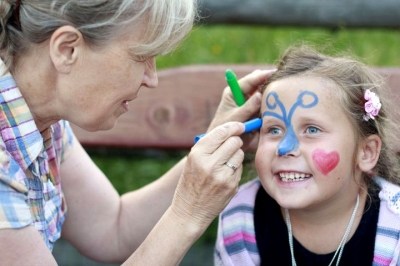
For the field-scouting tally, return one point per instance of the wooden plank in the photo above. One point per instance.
(182, 106)
(317, 13)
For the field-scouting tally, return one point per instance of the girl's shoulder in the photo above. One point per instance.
(389, 194)
(244, 200)
(387, 240)
(250, 186)
(247, 192)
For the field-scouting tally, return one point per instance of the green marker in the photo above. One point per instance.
(235, 88)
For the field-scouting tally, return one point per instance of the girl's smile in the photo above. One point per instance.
(293, 176)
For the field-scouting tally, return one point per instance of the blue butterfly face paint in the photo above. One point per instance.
(289, 142)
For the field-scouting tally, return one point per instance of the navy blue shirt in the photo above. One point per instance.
(273, 240)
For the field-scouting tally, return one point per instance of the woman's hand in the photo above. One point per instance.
(229, 111)
(207, 184)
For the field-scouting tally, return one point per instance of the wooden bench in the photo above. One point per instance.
(305, 13)
(181, 107)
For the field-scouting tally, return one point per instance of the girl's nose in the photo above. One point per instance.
(289, 144)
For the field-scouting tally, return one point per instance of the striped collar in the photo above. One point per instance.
(18, 129)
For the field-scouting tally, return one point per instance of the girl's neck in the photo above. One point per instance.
(320, 230)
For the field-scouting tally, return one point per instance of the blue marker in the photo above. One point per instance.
(250, 125)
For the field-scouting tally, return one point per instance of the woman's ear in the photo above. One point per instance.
(65, 44)
(369, 152)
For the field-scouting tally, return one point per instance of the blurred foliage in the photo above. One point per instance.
(263, 45)
(243, 44)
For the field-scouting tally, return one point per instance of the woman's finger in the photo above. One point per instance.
(227, 150)
(235, 162)
(250, 109)
(210, 142)
(252, 81)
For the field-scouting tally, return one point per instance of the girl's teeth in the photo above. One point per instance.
(293, 177)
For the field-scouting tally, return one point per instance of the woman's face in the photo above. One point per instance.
(103, 82)
(305, 156)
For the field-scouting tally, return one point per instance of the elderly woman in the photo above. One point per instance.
(84, 62)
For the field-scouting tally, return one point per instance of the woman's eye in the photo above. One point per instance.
(141, 58)
(312, 130)
(275, 131)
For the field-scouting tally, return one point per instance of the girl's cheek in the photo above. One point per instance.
(257, 159)
(324, 161)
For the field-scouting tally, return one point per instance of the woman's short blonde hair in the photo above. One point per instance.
(165, 22)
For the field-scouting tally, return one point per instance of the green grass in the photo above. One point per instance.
(244, 44)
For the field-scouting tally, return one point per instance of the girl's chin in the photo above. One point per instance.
(286, 201)
(294, 199)
(289, 205)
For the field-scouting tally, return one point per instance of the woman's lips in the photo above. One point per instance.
(125, 104)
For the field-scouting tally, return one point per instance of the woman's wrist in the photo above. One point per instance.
(190, 225)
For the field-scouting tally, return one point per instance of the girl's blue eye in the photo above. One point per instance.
(275, 131)
(312, 130)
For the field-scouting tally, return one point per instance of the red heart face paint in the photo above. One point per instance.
(325, 162)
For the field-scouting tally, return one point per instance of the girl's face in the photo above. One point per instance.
(307, 147)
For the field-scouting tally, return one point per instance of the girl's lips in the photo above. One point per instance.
(290, 178)
(289, 183)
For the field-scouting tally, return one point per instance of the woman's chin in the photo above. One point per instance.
(100, 126)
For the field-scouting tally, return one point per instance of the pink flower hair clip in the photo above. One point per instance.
(372, 105)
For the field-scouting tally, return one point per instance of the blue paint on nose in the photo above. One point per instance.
(289, 143)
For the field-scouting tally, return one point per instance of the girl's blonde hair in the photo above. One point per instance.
(352, 79)
(166, 23)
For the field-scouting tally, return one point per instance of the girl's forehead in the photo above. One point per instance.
(303, 99)
(288, 89)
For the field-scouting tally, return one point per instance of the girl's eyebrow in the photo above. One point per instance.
(270, 119)
(305, 118)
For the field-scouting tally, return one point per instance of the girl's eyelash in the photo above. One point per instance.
(273, 130)
(277, 130)
(316, 129)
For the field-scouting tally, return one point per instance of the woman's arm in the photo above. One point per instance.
(101, 224)
(105, 227)
(97, 215)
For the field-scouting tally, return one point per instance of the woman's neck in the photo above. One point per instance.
(35, 81)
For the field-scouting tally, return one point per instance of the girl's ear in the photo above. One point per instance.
(369, 151)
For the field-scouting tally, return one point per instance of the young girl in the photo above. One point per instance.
(328, 191)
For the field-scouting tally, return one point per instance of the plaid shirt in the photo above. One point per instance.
(30, 187)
